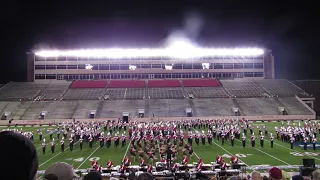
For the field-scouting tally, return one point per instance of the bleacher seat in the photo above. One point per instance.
(200, 83)
(21, 90)
(165, 93)
(89, 84)
(280, 87)
(206, 92)
(163, 83)
(243, 88)
(127, 84)
(84, 94)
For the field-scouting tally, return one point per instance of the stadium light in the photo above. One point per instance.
(168, 67)
(89, 66)
(205, 65)
(178, 50)
(131, 67)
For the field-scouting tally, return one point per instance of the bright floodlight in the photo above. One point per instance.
(176, 50)
(131, 67)
(168, 67)
(205, 65)
(89, 67)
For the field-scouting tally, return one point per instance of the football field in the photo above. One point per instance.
(279, 155)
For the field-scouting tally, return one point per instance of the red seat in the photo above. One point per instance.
(201, 83)
(163, 83)
(127, 84)
(89, 84)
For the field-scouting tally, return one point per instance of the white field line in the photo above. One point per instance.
(55, 156)
(88, 157)
(270, 155)
(294, 150)
(127, 150)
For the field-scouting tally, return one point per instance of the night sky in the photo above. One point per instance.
(289, 28)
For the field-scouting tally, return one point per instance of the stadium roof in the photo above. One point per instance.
(172, 52)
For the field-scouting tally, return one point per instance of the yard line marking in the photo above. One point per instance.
(295, 150)
(127, 150)
(88, 157)
(55, 156)
(194, 152)
(273, 157)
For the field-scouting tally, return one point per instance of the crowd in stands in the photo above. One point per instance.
(15, 147)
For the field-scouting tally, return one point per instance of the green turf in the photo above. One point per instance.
(279, 155)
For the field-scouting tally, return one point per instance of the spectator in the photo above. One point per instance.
(275, 174)
(93, 176)
(297, 177)
(265, 178)
(255, 175)
(145, 176)
(59, 171)
(17, 151)
(285, 175)
(316, 175)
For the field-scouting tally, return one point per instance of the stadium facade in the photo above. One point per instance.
(150, 64)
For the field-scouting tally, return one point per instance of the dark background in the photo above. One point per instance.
(289, 28)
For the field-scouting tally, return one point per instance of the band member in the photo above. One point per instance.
(94, 163)
(81, 143)
(44, 146)
(219, 159)
(101, 141)
(71, 144)
(314, 141)
(90, 141)
(149, 169)
(223, 165)
(133, 153)
(291, 142)
(185, 160)
(244, 140)
(53, 145)
(40, 135)
(203, 138)
(271, 140)
(232, 139)
(175, 167)
(98, 168)
(109, 164)
(210, 138)
(58, 134)
(123, 140)
(142, 162)
(234, 160)
(305, 140)
(126, 161)
(199, 166)
(253, 140)
(50, 134)
(261, 139)
(222, 138)
(62, 144)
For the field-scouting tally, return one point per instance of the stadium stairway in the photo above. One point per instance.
(194, 111)
(100, 107)
(282, 105)
(237, 105)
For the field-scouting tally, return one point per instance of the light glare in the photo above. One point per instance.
(178, 50)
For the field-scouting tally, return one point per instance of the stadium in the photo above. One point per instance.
(182, 89)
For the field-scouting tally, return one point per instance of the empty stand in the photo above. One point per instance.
(55, 90)
(258, 106)
(21, 90)
(294, 106)
(200, 83)
(84, 94)
(165, 93)
(126, 93)
(83, 108)
(127, 84)
(280, 87)
(245, 88)
(35, 108)
(213, 107)
(89, 84)
(163, 83)
(112, 108)
(62, 110)
(168, 107)
(206, 92)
